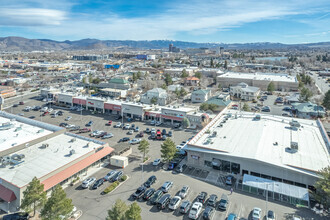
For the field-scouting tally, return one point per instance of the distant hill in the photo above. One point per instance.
(24, 44)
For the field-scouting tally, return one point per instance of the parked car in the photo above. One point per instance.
(95, 133)
(184, 191)
(110, 175)
(135, 141)
(151, 180)
(108, 135)
(21, 103)
(132, 127)
(185, 206)
(88, 182)
(109, 123)
(256, 213)
(117, 176)
(212, 200)
(68, 118)
(15, 105)
(158, 123)
(141, 134)
(172, 165)
(180, 168)
(152, 122)
(224, 201)
(32, 117)
(270, 215)
(137, 129)
(232, 216)
(84, 130)
(130, 132)
(229, 180)
(90, 123)
(98, 183)
(126, 127)
(164, 137)
(265, 109)
(16, 216)
(63, 124)
(118, 125)
(170, 134)
(125, 139)
(208, 213)
(156, 197)
(164, 132)
(167, 186)
(156, 162)
(148, 193)
(287, 109)
(174, 203)
(147, 130)
(164, 201)
(139, 192)
(75, 128)
(195, 210)
(202, 197)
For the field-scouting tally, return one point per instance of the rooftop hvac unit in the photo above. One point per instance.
(17, 157)
(44, 146)
(294, 145)
(73, 140)
(72, 152)
(294, 123)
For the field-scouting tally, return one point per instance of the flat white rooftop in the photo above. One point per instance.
(40, 162)
(20, 133)
(278, 77)
(267, 140)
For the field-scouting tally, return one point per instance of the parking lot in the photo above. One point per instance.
(94, 205)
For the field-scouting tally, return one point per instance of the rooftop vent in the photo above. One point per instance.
(44, 146)
(72, 152)
(294, 145)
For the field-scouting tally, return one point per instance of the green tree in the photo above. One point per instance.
(144, 147)
(211, 63)
(96, 81)
(212, 107)
(133, 212)
(85, 80)
(168, 150)
(90, 78)
(226, 64)
(219, 87)
(34, 196)
(154, 100)
(246, 107)
(204, 106)
(322, 186)
(185, 123)
(271, 87)
(305, 94)
(134, 77)
(183, 92)
(184, 73)
(138, 74)
(117, 212)
(168, 79)
(57, 205)
(164, 86)
(326, 100)
(198, 75)
(177, 92)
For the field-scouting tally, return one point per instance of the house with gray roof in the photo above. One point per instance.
(245, 92)
(307, 110)
(156, 93)
(200, 96)
(222, 101)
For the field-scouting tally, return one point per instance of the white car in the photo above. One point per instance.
(174, 203)
(195, 210)
(50, 110)
(156, 162)
(44, 109)
(256, 213)
(184, 191)
(68, 118)
(88, 182)
(70, 126)
(109, 135)
(127, 126)
(95, 133)
(158, 123)
(118, 125)
(135, 141)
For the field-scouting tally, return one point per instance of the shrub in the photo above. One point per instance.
(123, 178)
(111, 187)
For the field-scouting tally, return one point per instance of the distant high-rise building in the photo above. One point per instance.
(170, 48)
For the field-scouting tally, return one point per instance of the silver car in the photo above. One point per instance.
(109, 135)
(88, 182)
(184, 191)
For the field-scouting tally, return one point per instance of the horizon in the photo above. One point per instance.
(197, 21)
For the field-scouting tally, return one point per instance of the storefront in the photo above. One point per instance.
(65, 99)
(95, 104)
(79, 101)
(111, 108)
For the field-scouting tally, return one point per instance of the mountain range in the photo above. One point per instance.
(24, 44)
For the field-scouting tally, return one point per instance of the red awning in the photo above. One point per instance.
(75, 168)
(6, 194)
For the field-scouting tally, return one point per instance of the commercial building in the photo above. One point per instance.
(90, 57)
(282, 82)
(31, 149)
(200, 96)
(270, 147)
(145, 57)
(114, 93)
(158, 94)
(307, 110)
(245, 92)
(7, 91)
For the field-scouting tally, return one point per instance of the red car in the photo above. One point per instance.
(45, 113)
(109, 123)
(158, 135)
(84, 130)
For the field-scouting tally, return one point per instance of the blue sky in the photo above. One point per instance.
(227, 21)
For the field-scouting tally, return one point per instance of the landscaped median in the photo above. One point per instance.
(114, 185)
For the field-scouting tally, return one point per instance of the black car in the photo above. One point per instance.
(15, 105)
(223, 203)
(119, 117)
(156, 197)
(32, 117)
(164, 132)
(212, 200)
(147, 130)
(16, 216)
(208, 213)
(139, 192)
(63, 124)
(132, 127)
(59, 113)
(124, 139)
(202, 197)
(147, 195)
(164, 201)
(98, 183)
(117, 176)
(150, 181)
(89, 123)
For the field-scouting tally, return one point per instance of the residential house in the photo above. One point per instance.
(307, 110)
(191, 81)
(222, 101)
(118, 83)
(157, 93)
(201, 95)
(245, 92)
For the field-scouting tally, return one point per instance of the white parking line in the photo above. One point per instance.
(240, 209)
(228, 208)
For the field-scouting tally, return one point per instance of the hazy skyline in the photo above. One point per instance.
(227, 21)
